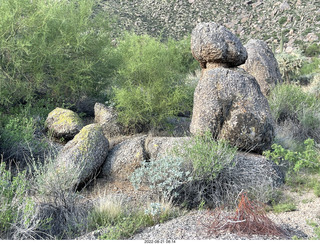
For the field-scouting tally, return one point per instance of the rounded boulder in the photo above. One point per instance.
(213, 43)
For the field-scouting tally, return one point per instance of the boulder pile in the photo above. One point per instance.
(228, 101)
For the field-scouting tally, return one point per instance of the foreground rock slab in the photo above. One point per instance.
(85, 154)
(124, 158)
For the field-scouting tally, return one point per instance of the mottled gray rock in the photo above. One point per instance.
(157, 147)
(229, 103)
(124, 158)
(254, 171)
(262, 64)
(106, 117)
(63, 123)
(213, 43)
(85, 153)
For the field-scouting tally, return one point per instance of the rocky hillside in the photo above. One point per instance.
(298, 20)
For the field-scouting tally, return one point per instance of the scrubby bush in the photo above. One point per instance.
(149, 84)
(21, 131)
(312, 50)
(12, 193)
(207, 156)
(290, 102)
(57, 198)
(311, 67)
(60, 48)
(18, 211)
(219, 174)
(308, 158)
(162, 176)
(289, 65)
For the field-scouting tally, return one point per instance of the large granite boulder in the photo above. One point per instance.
(124, 158)
(213, 43)
(106, 117)
(262, 64)
(229, 103)
(63, 123)
(85, 154)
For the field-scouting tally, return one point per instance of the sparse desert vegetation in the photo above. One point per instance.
(139, 67)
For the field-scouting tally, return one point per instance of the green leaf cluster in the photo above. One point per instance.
(308, 158)
(60, 48)
(12, 196)
(207, 155)
(149, 85)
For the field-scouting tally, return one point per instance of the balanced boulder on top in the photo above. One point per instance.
(213, 43)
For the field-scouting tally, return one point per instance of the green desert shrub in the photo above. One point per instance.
(307, 159)
(289, 65)
(163, 176)
(312, 50)
(60, 48)
(207, 156)
(290, 102)
(311, 67)
(12, 193)
(57, 198)
(149, 85)
(18, 211)
(21, 130)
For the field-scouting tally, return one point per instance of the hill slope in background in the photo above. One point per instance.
(298, 20)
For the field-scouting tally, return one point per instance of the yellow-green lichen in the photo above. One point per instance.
(64, 117)
(85, 136)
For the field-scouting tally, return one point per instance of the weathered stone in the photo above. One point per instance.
(157, 147)
(106, 117)
(229, 103)
(262, 64)
(255, 171)
(63, 123)
(85, 154)
(124, 158)
(213, 43)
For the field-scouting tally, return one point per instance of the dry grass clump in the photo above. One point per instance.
(249, 219)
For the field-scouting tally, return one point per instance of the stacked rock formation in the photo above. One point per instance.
(228, 101)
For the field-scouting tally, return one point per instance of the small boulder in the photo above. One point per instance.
(86, 153)
(262, 64)
(63, 123)
(213, 43)
(158, 147)
(124, 158)
(106, 117)
(229, 103)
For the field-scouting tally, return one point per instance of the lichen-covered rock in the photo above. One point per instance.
(63, 123)
(85, 153)
(229, 103)
(157, 147)
(124, 158)
(213, 43)
(106, 117)
(262, 64)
